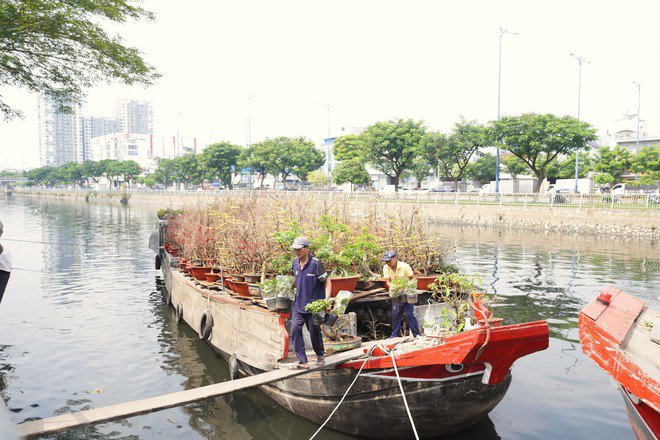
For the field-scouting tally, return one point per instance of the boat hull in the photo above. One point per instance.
(437, 408)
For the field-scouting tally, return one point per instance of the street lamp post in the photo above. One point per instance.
(639, 97)
(499, 88)
(577, 153)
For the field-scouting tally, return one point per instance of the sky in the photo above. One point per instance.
(373, 60)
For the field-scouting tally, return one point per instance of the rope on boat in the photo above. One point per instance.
(405, 402)
(341, 401)
(481, 349)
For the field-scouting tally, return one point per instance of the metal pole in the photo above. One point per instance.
(499, 87)
(577, 154)
(639, 96)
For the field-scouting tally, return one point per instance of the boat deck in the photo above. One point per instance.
(640, 347)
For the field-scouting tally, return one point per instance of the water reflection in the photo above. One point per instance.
(91, 329)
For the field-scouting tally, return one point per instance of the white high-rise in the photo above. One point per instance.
(135, 116)
(60, 134)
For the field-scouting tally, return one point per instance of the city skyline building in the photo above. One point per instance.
(135, 116)
(60, 133)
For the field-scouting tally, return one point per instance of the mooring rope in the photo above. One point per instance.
(405, 402)
(341, 401)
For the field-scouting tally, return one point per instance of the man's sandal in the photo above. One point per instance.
(299, 366)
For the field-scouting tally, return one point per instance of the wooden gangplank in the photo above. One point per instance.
(64, 422)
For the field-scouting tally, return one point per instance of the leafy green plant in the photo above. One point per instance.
(168, 212)
(403, 286)
(454, 290)
(284, 286)
(269, 288)
(317, 306)
(341, 302)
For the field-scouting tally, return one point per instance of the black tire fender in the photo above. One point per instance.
(233, 367)
(179, 312)
(158, 262)
(206, 325)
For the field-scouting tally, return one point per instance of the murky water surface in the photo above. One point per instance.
(83, 325)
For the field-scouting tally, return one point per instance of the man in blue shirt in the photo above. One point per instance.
(312, 283)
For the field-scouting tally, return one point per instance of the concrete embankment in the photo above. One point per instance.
(640, 223)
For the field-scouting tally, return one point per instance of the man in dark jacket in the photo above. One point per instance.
(312, 283)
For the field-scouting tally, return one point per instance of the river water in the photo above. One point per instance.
(83, 325)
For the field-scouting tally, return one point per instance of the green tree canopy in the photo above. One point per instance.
(257, 158)
(351, 171)
(564, 167)
(217, 160)
(482, 169)
(348, 147)
(514, 166)
(188, 166)
(647, 163)
(318, 178)
(453, 152)
(92, 170)
(613, 161)
(73, 172)
(61, 48)
(391, 146)
(166, 171)
(44, 175)
(286, 156)
(538, 139)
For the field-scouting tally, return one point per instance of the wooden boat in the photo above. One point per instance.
(449, 383)
(621, 335)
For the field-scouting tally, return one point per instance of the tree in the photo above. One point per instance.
(482, 169)
(564, 168)
(351, 171)
(257, 158)
(348, 147)
(165, 171)
(92, 170)
(420, 169)
(453, 152)
(73, 172)
(188, 169)
(47, 176)
(217, 160)
(129, 169)
(318, 178)
(60, 48)
(613, 161)
(514, 166)
(538, 139)
(391, 146)
(647, 162)
(286, 156)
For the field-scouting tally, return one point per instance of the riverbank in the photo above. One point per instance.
(572, 220)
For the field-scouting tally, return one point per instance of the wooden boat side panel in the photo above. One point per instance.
(603, 347)
(265, 343)
(639, 346)
(618, 317)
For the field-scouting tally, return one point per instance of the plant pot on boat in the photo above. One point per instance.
(318, 310)
(404, 290)
(278, 293)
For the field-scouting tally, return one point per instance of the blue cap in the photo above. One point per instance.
(389, 255)
(300, 242)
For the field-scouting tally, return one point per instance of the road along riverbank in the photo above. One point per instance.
(607, 220)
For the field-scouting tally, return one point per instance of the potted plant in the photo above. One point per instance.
(317, 309)
(269, 293)
(285, 291)
(404, 290)
(455, 289)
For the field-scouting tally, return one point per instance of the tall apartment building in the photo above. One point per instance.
(135, 116)
(95, 126)
(60, 134)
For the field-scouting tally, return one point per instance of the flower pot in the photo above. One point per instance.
(271, 303)
(330, 319)
(284, 303)
(255, 290)
(423, 281)
(386, 283)
(343, 283)
(370, 284)
(199, 272)
(240, 278)
(241, 287)
(319, 318)
(252, 278)
(230, 284)
(226, 280)
(212, 277)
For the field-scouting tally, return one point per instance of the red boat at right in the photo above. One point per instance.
(622, 335)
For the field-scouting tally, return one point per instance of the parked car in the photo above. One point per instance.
(442, 189)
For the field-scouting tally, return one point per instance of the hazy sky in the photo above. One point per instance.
(375, 60)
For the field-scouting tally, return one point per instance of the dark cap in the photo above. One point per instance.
(300, 242)
(387, 256)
